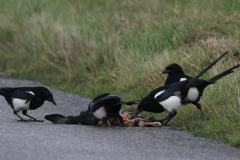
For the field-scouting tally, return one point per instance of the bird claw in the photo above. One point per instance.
(24, 120)
(162, 122)
(99, 125)
(35, 120)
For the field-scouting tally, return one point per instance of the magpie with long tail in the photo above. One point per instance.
(169, 97)
(175, 74)
(102, 107)
(26, 98)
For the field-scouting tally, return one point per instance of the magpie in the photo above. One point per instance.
(169, 97)
(102, 107)
(175, 74)
(26, 98)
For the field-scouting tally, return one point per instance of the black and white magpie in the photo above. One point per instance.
(102, 107)
(169, 97)
(26, 98)
(175, 74)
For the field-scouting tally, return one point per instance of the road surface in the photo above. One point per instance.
(46, 141)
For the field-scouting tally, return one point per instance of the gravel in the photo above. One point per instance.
(40, 141)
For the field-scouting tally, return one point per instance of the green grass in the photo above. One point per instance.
(90, 47)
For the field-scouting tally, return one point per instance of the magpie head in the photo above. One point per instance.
(173, 69)
(48, 95)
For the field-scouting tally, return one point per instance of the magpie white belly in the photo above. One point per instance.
(20, 104)
(100, 113)
(172, 103)
(193, 94)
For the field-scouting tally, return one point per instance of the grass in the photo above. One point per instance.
(90, 47)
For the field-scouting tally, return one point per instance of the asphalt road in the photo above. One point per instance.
(42, 141)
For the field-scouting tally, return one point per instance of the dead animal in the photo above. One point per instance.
(134, 122)
(102, 108)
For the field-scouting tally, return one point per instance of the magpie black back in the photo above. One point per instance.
(9, 92)
(41, 93)
(103, 100)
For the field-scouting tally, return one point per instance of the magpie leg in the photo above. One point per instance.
(104, 121)
(168, 118)
(21, 119)
(24, 112)
(136, 113)
(121, 120)
(198, 105)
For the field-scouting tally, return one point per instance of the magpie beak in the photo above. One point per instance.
(166, 71)
(52, 100)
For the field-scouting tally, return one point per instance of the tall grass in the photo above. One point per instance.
(90, 47)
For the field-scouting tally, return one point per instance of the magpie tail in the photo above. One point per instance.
(223, 74)
(204, 71)
(60, 119)
(130, 102)
(85, 117)
(54, 117)
(4, 91)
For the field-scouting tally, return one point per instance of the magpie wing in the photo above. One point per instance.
(97, 98)
(94, 105)
(10, 92)
(22, 94)
(165, 94)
